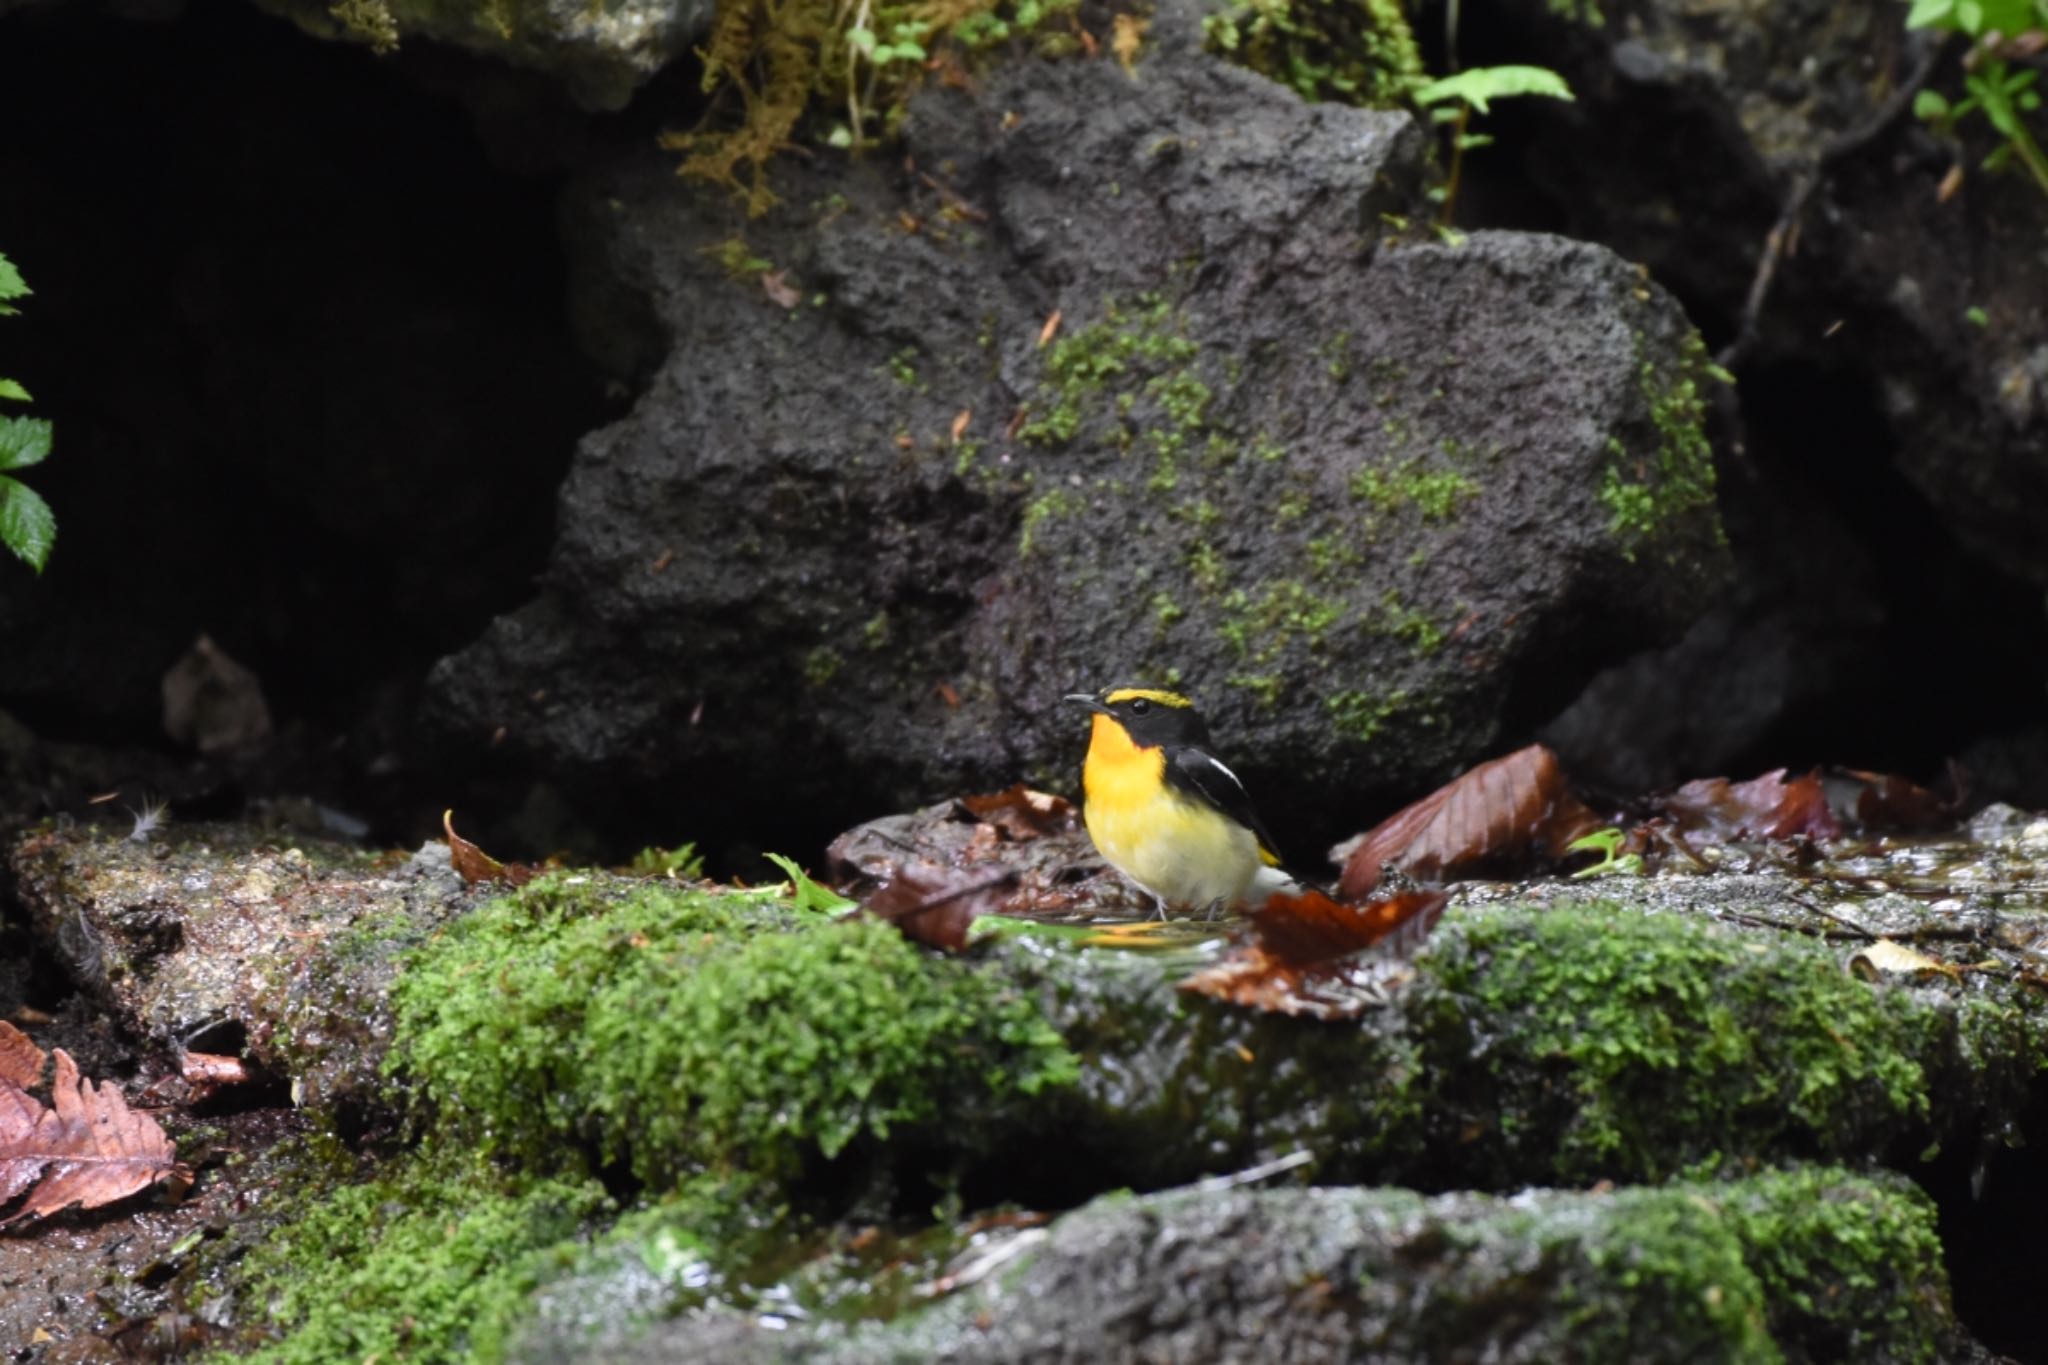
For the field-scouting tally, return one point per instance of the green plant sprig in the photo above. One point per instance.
(27, 526)
(1454, 99)
(1990, 84)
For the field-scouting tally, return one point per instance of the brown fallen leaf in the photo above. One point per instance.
(935, 905)
(1314, 956)
(1888, 957)
(88, 1148)
(213, 1069)
(1051, 328)
(1514, 807)
(1766, 807)
(775, 284)
(1893, 804)
(212, 703)
(475, 865)
(21, 1061)
(1021, 813)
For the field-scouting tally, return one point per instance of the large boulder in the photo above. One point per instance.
(1148, 374)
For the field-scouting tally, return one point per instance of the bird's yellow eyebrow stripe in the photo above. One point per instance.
(1161, 698)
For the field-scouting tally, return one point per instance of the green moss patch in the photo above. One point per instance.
(1357, 51)
(679, 1030)
(1649, 491)
(1625, 1045)
(429, 1262)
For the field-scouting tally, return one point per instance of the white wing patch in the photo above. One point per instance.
(1218, 765)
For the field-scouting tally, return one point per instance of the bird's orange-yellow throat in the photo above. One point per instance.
(1166, 812)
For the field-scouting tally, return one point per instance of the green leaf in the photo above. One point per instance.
(10, 389)
(1930, 105)
(11, 286)
(1976, 316)
(27, 526)
(861, 40)
(1483, 83)
(808, 894)
(1970, 15)
(1928, 13)
(23, 441)
(2010, 17)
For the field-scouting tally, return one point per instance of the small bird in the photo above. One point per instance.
(1165, 811)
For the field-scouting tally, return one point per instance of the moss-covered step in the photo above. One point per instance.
(1784, 1265)
(678, 1028)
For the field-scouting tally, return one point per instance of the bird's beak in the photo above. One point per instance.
(1088, 700)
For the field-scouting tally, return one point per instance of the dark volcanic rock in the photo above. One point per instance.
(1376, 499)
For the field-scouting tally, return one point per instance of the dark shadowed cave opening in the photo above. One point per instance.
(308, 355)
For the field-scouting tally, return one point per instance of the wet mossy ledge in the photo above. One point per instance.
(1801, 1264)
(661, 1095)
(678, 1030)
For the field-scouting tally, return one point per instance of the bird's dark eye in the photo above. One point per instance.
(1140, 707)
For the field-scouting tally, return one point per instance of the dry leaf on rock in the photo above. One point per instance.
(776, 285)
(213, 1069)
(1888, 957)
(87, 1148)
(1314, 956)
(21, 1061)
(1022, 813)
(1512, 807)
(1891, 803)
(474, 865)
(935, 905)
(1766, 807)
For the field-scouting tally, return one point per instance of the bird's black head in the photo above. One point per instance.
(1150, 716)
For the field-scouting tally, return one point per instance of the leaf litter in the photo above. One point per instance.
(85, 1148)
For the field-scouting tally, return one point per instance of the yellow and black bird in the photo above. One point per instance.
(1164, 810)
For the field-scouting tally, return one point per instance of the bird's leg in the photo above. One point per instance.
(1159, 902)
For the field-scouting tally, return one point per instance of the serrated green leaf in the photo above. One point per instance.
(23, 441)
(10, 389)
(11, 285)
(1483, 83)
(27, 526)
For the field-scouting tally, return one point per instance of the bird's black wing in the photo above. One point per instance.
(1197, 774)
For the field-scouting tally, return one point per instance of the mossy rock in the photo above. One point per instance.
(1345, 482)
(1784, 1265)
(680, 1031)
